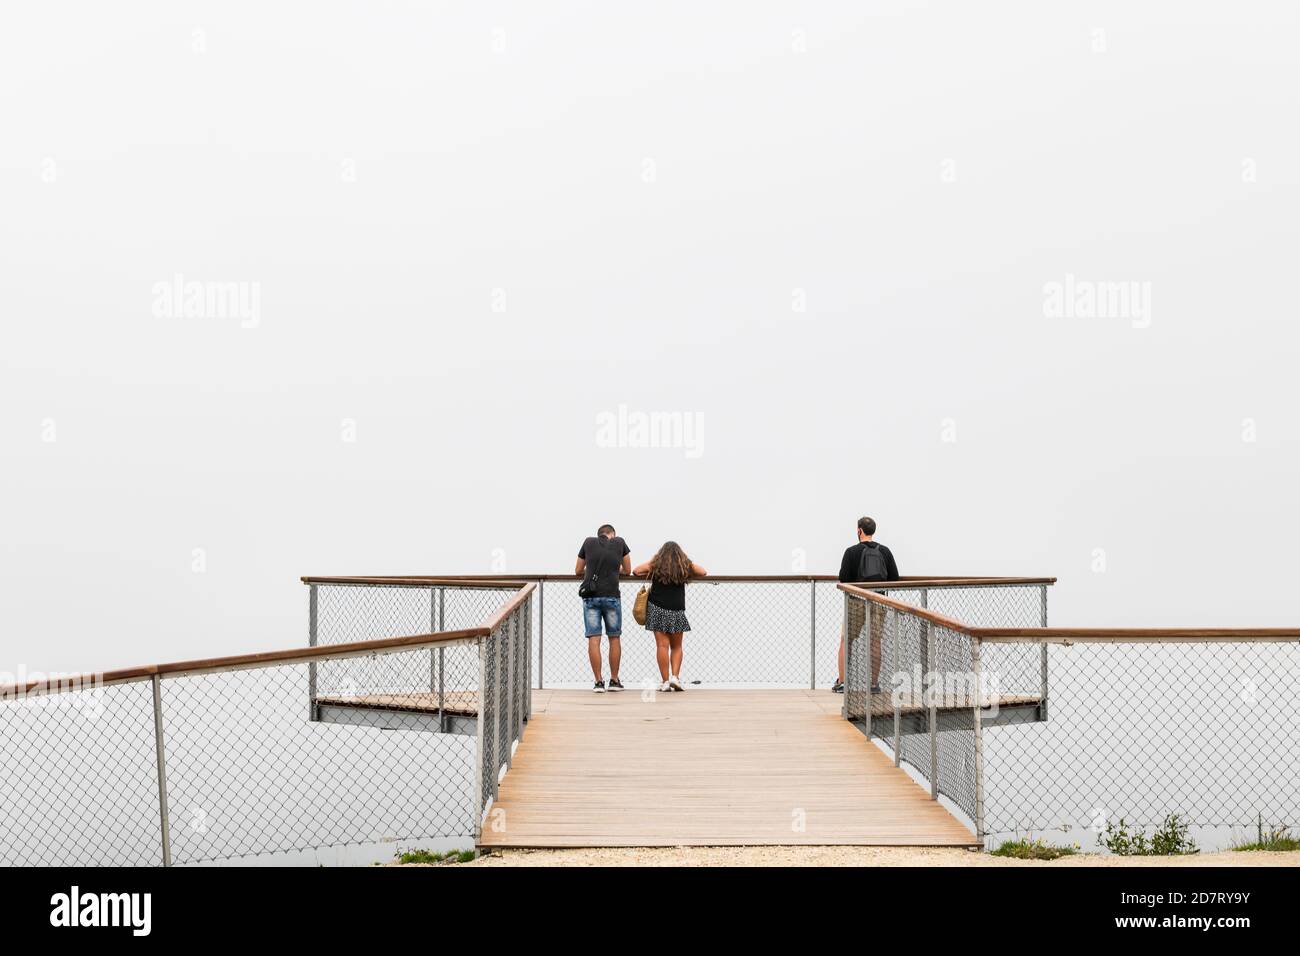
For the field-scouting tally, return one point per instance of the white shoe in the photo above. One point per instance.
(675, 683)
(665, 687)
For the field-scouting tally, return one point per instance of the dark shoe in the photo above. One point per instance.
(615, 685)
(875, 688)
(837, 687)
(600, 687)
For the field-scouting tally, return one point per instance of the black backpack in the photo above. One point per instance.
(871, 563)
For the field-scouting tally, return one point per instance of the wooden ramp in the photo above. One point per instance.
(707, 768)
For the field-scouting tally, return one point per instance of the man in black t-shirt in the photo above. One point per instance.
(867, 560)
(600, 561)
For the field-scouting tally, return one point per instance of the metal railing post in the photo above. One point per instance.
(898, 711)
(479, 762)
(927, 684)
(541, 630)
(528, 663)
(433, 651)
(311, 642)
(979, 739)
(159, 750)
(442, 664)
(498, 666)
(521, 669)
(812, 666)
(1042, 695)
(848, 652)
(512, 625)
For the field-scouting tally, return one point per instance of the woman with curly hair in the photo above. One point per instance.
(668, 571)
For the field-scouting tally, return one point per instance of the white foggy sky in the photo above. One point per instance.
(502, 146)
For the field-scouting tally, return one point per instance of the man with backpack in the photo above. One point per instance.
(600, 560)
(868, 560)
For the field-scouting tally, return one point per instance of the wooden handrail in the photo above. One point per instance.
(923, 613)
(236, 662)
(509, 607)
(502, 580)
(502, 583)
(1082, 635)
(1118, 635)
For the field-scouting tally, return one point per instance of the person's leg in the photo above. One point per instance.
(591, 621)
(855, 612)
(614, 628)
(675, 646)
(661, 654)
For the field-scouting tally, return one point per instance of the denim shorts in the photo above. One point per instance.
(606, 609)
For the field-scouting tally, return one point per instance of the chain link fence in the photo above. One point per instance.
(239, 758)
(757, 632)
(1059, 735)
(1137, 730)
(914, 685)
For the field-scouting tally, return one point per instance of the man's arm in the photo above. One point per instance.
(627, 564)
(848, 569)
(891, 569)
(582, 566)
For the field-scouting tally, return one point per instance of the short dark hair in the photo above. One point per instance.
(605, 529)
(867, 526)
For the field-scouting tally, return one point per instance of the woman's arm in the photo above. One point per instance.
(641, 569)
(697, 571)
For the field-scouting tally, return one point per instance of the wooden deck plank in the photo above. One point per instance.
(708, 767)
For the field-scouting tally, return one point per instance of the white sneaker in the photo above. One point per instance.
(665, 687)
(675, 683)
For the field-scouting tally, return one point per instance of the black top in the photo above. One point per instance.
(670, 597)
(853, 557)
(604, 557)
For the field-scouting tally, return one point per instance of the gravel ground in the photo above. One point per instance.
(847, 856)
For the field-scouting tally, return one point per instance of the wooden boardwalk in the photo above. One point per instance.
(707, 768)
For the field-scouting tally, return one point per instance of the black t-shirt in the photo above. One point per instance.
(853, 557)
(604, 557)
(670, 597)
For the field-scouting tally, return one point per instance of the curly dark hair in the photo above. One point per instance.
(670, 565)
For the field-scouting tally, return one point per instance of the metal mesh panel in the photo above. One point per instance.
(921, 712)
(742, 634)
(248, 774)
(80, 778)
(487, 735)
(347, 613)
(1137, 731)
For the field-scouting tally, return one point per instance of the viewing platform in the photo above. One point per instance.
(458, 710)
